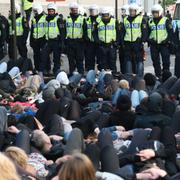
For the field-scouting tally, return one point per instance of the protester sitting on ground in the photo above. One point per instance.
(52, 122)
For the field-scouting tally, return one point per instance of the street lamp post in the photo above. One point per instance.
(116, 9)
(13, 15)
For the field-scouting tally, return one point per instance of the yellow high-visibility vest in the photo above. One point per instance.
(26, 5)
(158, 32)
(19, 26)
(52, 30)
(133, 30)
(107, 32)
(39, 28)
(74, 29)
(90, 27)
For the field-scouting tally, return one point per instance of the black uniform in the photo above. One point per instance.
(21, 40)
(53, 45)
(133, 51)
(177, 49)
(37, 44)
(75, 47)
(163, 48)
(2, 36)
(107, 52)
(91, 50)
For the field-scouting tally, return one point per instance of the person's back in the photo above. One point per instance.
(123, 116)
(154, 115)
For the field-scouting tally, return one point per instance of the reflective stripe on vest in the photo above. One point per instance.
(52, 30)
(74, 29)
(158, 32)
(133, 30)
(19, 27)
(90, 27)
(39, 28)
(107, 33)
(26, 5)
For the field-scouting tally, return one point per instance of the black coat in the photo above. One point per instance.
(122, 118)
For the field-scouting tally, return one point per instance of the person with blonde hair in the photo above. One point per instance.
(79, 167)
(7, 169)
(17, 155)
(122, 90)
(20, 158)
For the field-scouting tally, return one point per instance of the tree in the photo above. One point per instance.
(169, 2)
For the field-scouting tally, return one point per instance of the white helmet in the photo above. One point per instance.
(141, 9)
(125, 8)
(134, 6)
(17, 8)
(94, 10)
(38, 8)
(105, 10)
(73, 5)
(158, 8)
(52, 6)
(81, 10)
(93, 7)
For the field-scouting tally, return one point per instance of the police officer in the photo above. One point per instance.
(21, 34)
(177, 48)
(91, 52)
(124, 13)
(107, 35)
(27, 8)
(134, 34)
(160, 37)
(38, 34)
(2, 36)
(55, 38)
(75, 33)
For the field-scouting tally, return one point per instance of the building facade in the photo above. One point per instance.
(63, 4)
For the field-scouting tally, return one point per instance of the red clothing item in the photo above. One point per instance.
(24, 104)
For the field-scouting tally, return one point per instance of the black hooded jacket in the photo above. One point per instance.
(154, 116)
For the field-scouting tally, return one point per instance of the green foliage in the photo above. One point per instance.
(169, 2)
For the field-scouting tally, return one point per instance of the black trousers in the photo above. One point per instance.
(107, 57)
(21, 46)
(75, 53)
(133, 57)
(37, 49)
(53, 46)
(177, 63)
(156, 51)
(1, 52)
(121, 60)
(91, 55)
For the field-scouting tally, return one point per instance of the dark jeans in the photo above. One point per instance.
(23, 140)
(107, 57)
(75, 142)
(156, 51)
(91, 55)
(52, 46)
(133, 56)
(75, 53)
(172, 86)
(21, 45)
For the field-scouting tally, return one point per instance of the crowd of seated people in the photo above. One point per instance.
(99, 126)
